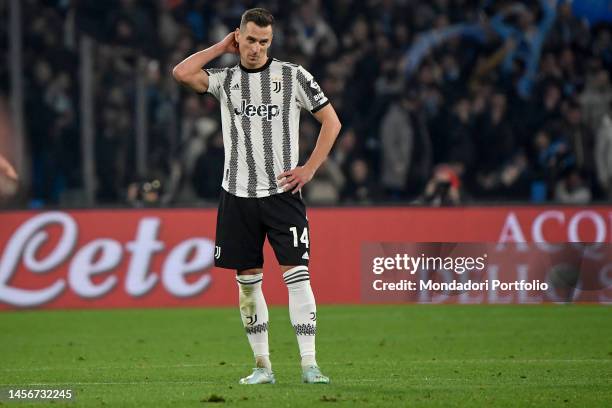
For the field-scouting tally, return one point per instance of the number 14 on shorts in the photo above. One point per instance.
(303, 237)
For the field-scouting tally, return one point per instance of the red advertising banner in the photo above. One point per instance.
(160, 258)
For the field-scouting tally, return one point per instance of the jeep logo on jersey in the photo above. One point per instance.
(267, 110)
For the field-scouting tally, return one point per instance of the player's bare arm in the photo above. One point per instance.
(7, 170)
(295, 179)
(189, 71)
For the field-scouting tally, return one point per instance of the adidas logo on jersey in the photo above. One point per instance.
(314, 85)
(235, 87)
(267, 110)
(306, 256)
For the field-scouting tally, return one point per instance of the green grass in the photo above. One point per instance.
(429, 356)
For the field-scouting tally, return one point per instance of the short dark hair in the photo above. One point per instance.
(259, 16)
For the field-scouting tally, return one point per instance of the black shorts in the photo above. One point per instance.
(244, 223)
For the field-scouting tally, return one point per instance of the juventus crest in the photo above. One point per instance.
(276, 86)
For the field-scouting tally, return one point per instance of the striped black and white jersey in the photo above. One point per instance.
(260, 116)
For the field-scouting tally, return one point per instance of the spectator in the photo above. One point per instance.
(359, 188)
(495, 138)
(397, 146)
(326, 186)
(572, 189)
(345, 149)
(568, 30)
(460, 143)
(312, 29)
(580, 139)
(209, 169)
(603, 156)
(596, 98)
(445, 187)
(112, 146)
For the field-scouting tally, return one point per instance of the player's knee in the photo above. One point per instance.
(298, 275)
(249, 284)
(250, 271)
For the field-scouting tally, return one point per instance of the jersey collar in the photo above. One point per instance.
(252, 71)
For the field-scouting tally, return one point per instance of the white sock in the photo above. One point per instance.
(302, 311)
(254, 314)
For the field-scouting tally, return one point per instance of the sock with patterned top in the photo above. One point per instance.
(254, 314)
(302, 311)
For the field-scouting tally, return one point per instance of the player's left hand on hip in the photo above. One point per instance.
(295, 179)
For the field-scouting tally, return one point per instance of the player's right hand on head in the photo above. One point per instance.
(229, 43)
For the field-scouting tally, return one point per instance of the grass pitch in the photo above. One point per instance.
(388, 356)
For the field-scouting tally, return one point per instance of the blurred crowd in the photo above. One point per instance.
(442, 102)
